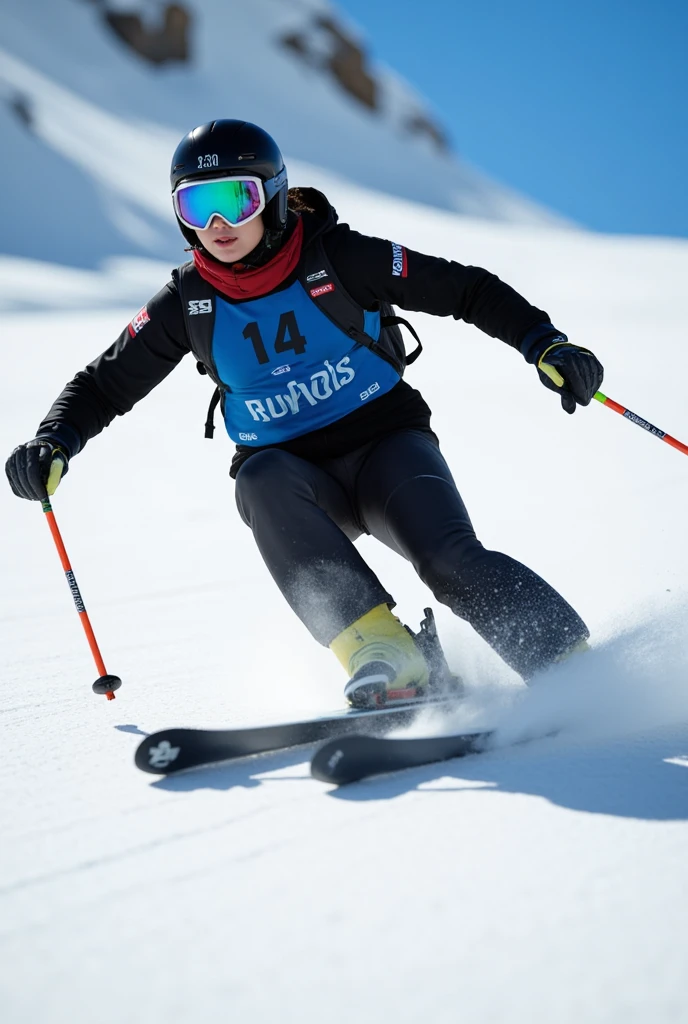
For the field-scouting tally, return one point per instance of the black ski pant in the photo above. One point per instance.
(305, 516)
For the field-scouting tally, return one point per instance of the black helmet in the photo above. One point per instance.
(233, 147)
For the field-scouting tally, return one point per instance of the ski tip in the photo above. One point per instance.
(339, 760)
(353, 757)
(325, 762)
(157, 755)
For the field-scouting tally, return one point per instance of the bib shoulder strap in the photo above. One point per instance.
(378, 331)
(198, 299)
(320, 281)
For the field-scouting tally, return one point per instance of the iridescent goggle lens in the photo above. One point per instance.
(236, 200)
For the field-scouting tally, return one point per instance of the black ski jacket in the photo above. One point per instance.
(372, 270)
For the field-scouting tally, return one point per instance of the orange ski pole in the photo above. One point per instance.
(634, 418)
(105, 683)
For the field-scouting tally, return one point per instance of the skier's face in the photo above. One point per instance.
(230, 244)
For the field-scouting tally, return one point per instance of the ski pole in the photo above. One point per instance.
(105, 683)
(634, 418)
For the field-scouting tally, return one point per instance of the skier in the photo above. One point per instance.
(289, 312)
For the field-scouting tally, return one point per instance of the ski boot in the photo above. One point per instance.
(580, 647)
(540, 676)
(390, 665)
(443, 683)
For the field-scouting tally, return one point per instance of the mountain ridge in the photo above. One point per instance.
(91, 126)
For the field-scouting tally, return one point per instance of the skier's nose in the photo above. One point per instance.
(218, 222)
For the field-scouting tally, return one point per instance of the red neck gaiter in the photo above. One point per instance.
(241, 282)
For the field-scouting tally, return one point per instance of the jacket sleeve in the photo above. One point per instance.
(146, 351)
(374, 270)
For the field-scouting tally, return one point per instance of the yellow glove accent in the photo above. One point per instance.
(56, 469)
(550, 370)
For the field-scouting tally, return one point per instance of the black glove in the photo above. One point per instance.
(572, 371)
(34, 469)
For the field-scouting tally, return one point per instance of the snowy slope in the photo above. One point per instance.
(529, 885)
(91, 127)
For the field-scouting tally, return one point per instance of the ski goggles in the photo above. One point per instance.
(237, 200)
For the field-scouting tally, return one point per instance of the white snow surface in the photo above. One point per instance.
(535, 883)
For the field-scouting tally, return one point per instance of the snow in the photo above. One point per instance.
(532, 883)
(538, 882)
(102, 125)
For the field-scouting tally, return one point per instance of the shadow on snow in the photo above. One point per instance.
(640, 777)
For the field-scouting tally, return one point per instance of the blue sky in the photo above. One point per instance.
(583, 106)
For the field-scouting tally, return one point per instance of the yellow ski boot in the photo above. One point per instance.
(388, 664)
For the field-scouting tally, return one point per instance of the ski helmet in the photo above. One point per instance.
(233, 147)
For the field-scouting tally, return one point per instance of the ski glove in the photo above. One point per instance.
(572, 371)
(34, 469)
(569, 369)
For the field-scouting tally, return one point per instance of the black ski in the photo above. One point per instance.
(350, 758)
(173, 750)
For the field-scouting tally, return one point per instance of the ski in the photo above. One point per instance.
(174, 750)
(350, 758)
